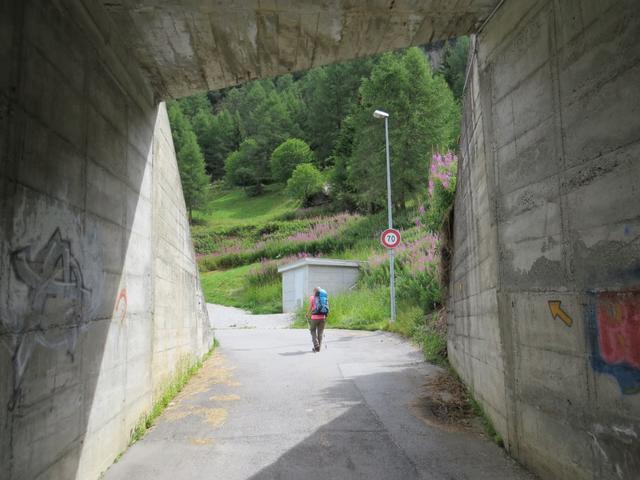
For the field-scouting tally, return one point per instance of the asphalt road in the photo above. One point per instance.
(266, 407)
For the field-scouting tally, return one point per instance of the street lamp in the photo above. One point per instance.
(379, 114)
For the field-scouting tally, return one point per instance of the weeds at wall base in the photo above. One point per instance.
(433, 341)
(486, 421)
(478, 410)
(186, 368)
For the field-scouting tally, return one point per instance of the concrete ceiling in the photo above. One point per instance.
(186, 46)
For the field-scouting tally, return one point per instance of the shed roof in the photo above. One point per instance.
(322, 262)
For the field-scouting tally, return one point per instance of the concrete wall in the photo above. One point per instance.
(548, 211)
(99, 293)
(197, 45)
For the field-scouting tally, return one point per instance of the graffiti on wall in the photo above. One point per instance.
(122, 303)
(618, 449)
(614, 332)
(57, 307)
(558, 312)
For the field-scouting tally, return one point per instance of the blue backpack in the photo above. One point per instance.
(321, 303)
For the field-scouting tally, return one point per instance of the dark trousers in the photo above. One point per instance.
(317, 328)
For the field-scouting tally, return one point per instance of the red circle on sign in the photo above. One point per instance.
(390, 238)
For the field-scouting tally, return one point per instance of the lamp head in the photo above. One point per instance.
(380, 114)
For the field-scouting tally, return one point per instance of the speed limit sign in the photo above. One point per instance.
(390, 238)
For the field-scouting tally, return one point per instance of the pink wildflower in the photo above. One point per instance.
(442, 170)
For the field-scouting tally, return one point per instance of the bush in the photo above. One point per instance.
(305, 182)
(287, 156)
(442, 189)
(421, 287)
(239, 166)
(265, 272)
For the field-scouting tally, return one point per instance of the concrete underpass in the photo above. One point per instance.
(99, 291)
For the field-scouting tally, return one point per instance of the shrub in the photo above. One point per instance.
(305, 182)
(264, 272)
(287, 156)
(442, 188)
(239, 166)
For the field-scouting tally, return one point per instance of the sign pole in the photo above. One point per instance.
(392, 279)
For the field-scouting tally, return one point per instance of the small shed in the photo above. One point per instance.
(299, 278)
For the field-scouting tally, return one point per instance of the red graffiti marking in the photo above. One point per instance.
(618, 315)
(121, 304)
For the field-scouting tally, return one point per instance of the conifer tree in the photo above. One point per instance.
(195, 181)
(423, 118)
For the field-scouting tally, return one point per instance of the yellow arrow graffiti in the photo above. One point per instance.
(558, 312)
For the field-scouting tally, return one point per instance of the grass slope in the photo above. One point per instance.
(228, 287)
(247, 237)
(235, 208)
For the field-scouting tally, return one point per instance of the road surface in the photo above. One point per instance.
(265, 406)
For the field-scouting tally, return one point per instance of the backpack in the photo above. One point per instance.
(321, 303)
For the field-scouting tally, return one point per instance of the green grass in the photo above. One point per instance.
(223, 286)
(235, 208)
(368, 309)
(230, 288)
(359, 309)
(422, 330)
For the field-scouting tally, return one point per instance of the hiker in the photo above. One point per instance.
(317, 315)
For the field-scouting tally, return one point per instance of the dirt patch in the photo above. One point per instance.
(444, 403)
(172, 414)
(201, 441)
(215, 371)
(225, 398)
(213, 416)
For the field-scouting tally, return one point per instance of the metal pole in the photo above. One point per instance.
(392, 279)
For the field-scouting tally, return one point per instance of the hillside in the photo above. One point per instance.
(241, 240)
(295, 166)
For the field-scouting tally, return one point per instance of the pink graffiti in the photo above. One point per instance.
(618, 315)
(121, 304)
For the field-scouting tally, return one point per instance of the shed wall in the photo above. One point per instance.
(333, 279)
(299, 282)
(293, 292)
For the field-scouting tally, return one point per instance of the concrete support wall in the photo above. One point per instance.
(99, 292)
(545, 290)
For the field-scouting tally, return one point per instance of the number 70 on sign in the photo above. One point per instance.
(390, 238)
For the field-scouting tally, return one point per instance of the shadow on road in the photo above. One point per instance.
(378, 437)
